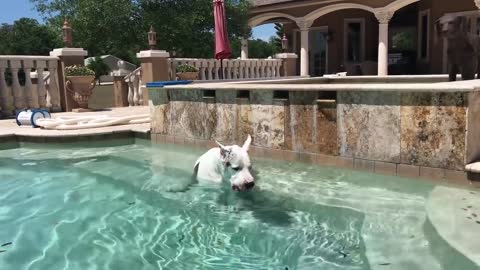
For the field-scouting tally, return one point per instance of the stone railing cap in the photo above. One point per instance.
(286, 55)
(69, 52)
(153, 53)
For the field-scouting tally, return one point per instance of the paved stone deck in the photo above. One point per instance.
(10, 128)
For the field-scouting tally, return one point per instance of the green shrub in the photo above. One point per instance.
(99, 67)
(78, 71)
(186, 68)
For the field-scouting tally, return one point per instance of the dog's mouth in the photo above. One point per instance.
(244, 187)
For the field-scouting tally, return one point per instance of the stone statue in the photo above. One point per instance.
(463, 50)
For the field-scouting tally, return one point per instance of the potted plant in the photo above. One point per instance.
(187, 72)
(80, 82)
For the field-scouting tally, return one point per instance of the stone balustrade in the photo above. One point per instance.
(18, 83)
(230, 69)
(134, 82)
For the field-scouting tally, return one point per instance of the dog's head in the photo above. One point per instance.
(236, 158)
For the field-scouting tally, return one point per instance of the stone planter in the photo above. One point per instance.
(81, 88)
(188, 76)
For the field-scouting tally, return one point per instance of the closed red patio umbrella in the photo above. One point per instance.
(222, 44)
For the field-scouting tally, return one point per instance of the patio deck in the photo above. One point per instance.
(9, 128)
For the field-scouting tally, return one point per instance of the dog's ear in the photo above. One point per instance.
(223, 149)
(246, 144)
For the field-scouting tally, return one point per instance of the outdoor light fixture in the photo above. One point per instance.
(328, 36)
(284, 43)
(152, 38)
(67, 34)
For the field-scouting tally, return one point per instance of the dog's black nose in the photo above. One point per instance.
(249, 185)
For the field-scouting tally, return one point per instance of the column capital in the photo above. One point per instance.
(477, 3)
(384, 16)
(304, 25)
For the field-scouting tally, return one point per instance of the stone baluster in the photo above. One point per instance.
(202, 69)
(138, 76)
(53, 90)
(252, 69)
(241, 67)
(6, 101)
(28, 88)
(257, 69)
(136, 96)
(18, 95)
(216, 70)
(235, 64)
(266, 68)
(130, 92)
(228, 64)
(210, 67)
(41, 89)
(248, 73)
(278, 67)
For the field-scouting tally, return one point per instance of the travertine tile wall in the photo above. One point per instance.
(397, 133)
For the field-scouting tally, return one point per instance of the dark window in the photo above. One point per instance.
(424, 37)
(354, 42)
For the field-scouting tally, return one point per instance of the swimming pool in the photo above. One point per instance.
(135, 207)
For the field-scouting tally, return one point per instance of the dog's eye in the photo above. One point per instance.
(236, 168)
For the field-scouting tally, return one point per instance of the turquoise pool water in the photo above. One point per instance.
(136, 207)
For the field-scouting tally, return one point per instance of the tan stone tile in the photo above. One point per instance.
(325, 160)
(169, 139)
(344, 162)
(189, 141)
(276, 154)
(456, 177)
(432, 173)
(410, 171)
(305, 157)
(363, 165)
(211, 144)
(160, 138)
(289, 155)
(385, 168)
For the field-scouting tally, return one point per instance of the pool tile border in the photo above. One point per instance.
(385, 168)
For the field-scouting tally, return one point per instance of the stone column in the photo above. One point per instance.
(120, 87)
(289, 66)
(154, 68)
(67, 57)
(304, 61)
(383, 18)
(244, 54)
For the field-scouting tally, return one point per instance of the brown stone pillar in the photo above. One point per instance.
(154, 68)
(67, 57)
(289, 66)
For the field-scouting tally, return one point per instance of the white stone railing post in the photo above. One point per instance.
(6, 105)
(133, 80)
(28, 91)
(17, 90)
(53, 92)
(41, 88)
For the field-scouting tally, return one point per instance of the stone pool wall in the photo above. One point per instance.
(398, 133)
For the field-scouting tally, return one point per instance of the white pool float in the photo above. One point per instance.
(93, 121)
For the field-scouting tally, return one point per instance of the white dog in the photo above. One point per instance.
(212, 165)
